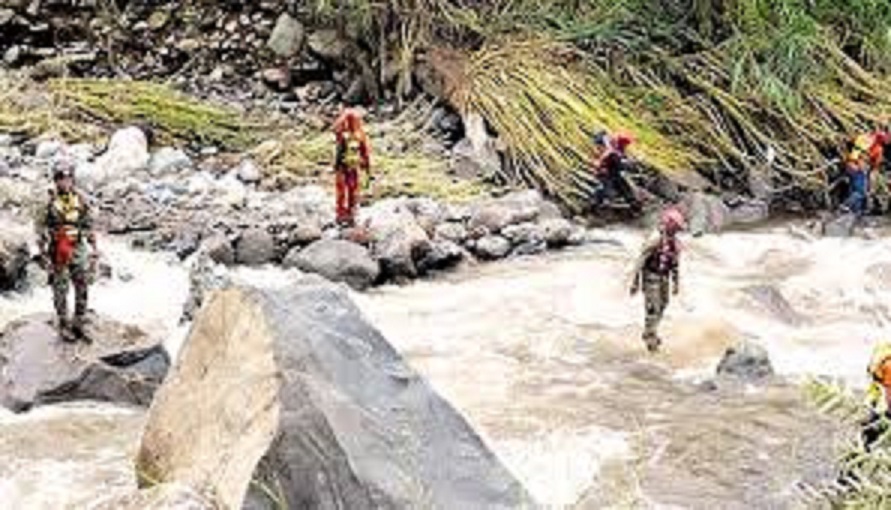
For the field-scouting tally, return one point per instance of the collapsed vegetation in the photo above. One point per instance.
(864, 476)
(719, 93)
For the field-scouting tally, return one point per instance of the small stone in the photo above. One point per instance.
(248, 172)
(12, 55)
(168, 159)
(158, 19)
(47, 149)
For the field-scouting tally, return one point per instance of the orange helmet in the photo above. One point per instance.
(673, 220)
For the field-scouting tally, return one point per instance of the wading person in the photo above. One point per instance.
(610, 166)
(353, 155)
(68, 250)
(656, 272)
(864, 165)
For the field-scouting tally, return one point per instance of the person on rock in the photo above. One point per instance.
(878, 396)
(657, 269)
(353, 155)
(864, 164)
(68, 249)
(609, 167)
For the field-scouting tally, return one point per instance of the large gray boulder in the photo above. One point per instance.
(122, 364)
(338, 261)
(294, 389)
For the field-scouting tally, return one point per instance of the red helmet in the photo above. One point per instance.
(623, 140)
(673, 220)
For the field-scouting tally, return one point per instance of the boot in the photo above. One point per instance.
(652, 341)
(63, 328)
(78, 329)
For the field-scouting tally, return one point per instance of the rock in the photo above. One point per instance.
(327, 45)
(398, 242)
(556, 232)
(705, 214)
(469, 163)
(443, 254)
(277, 78)
(530, 248)
(255, 247)
(127, 152)
(248, 172)
(205, 276)
(12, 55)
(578, 237)
(167, 160)
(287, 36)
(749, 212)
(338, 261)
(14, 256)
(747, 361)
(492, 247)
(232, 191)
(840, 226)
(524, 233)
(294, 389)
(451, 231)
(305, 233)
(185, 243)
(219, 249)
(48, 149)
(161, 497)
(494, 215)
(6, 16)
(121, 365)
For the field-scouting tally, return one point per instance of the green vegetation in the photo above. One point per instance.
(723, 79)
(867, 474)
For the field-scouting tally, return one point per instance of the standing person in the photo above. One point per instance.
(878, 396)
(657, 269)
(610, 166)
(67, 230)
(353, 154)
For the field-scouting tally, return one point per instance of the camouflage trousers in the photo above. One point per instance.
(656, 297)
(74, 274)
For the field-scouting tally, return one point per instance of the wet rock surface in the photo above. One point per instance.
(121, 364)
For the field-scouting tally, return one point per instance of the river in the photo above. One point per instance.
(542, 356)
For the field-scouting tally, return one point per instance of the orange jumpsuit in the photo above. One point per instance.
(353, 154)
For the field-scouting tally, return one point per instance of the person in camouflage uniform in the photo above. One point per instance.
(66, 241)
(657, 269)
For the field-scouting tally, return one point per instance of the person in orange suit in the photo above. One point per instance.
(353, 155)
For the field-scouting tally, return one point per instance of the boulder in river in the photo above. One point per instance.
(255, 247)
(398, 242)
(747, 361)
(338, 261)
(121, 365)
(492, 247)
(292, 388)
